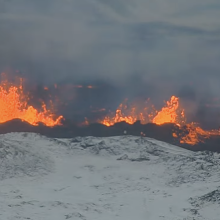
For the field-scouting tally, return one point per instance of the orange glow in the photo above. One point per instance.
(81, 86)
(78, 86)
(14, 104)
(128, 114)
(195, 134)
(90, 87)
(171, 113)
(85, 123)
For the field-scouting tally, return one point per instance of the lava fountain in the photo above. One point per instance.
(14, 105)
(170, 113)
(189, 133)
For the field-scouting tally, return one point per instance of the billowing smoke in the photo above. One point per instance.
(128, 49)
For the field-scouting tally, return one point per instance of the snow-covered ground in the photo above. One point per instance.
(89, 178)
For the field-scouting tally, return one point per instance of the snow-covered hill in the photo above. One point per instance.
(116, 178)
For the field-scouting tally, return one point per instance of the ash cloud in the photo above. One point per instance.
(140, 48)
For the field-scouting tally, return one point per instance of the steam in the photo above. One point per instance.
(143, 48)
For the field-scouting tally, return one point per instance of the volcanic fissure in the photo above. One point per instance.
(167, 124)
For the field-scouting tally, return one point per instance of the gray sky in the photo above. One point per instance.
(165, 43)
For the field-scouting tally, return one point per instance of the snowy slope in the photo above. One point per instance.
(91, 178)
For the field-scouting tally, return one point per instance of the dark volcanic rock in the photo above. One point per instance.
(70, 130)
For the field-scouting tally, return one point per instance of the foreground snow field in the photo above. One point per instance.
(116, 178)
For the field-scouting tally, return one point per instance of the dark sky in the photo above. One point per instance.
(152, 47)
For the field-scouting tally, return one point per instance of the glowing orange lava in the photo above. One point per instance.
(195, 134)
(129, 114)
(191, 134)
(14, 104)
(171, 113)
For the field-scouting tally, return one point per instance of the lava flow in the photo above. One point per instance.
(190, 133)
(14, 104)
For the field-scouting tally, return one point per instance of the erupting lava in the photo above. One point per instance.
(171, 113)
(129, 114)
(14, 104)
